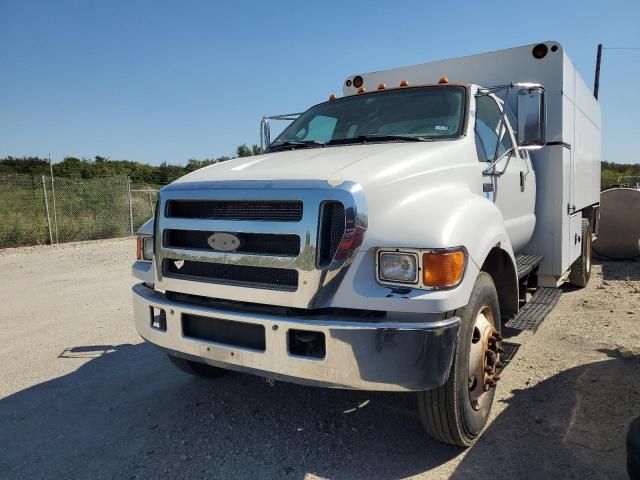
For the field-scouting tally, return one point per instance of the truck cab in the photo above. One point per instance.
(384, 238)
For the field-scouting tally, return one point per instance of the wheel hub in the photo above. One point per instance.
(484, 357)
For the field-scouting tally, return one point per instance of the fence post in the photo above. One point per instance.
(130, 205)
(53, 195)
(46, 206)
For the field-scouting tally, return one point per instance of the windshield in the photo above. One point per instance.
(408, 114)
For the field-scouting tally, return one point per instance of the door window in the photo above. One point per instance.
(488, 116)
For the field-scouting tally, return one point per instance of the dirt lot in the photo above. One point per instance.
(82, 397)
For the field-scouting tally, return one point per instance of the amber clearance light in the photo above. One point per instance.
(138, 248)
(443, 269)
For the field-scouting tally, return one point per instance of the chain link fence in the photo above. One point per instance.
(23, 213)
(37, 209)
(143, 203)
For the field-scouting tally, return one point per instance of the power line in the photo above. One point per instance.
(621, 48)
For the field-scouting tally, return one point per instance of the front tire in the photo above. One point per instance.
(457, 411)
(196, 368)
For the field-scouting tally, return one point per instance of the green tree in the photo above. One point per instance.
(243, 151)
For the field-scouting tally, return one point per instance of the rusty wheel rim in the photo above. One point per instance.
(484, 357)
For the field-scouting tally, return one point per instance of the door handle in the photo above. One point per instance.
(522, 178)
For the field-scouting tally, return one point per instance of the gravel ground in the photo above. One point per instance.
(82, 397)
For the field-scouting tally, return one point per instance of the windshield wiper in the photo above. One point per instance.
(297, 144)
(378, 138)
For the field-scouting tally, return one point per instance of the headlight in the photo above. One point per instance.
(440, 268)
(144, 250)
(398, 267)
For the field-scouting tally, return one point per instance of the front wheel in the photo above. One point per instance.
(457, 412)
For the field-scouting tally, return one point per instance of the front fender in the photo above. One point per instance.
(437, 218)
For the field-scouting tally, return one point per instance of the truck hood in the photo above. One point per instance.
(372, 164)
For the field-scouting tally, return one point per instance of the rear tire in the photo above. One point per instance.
(581, 268)
(453, 413)
(196, 368)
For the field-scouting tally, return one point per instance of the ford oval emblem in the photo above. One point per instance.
(223, 242)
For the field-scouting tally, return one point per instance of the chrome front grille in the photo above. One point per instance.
(294, 239)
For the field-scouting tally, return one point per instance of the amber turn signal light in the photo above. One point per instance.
(138, 248)
(443, 269)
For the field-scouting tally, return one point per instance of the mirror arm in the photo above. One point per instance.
(265, 127)
(502, 125)
(487, 171)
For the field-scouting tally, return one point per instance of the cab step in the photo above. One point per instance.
(525, 264)
(536, 310)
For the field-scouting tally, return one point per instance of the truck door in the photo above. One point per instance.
(512, 186)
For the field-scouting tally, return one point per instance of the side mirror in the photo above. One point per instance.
(531, 116)
(265, 133)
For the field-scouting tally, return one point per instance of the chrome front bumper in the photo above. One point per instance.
(367, 355)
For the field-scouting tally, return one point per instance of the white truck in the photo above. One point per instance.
(385, 238)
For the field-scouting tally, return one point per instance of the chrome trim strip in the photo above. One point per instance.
(160, 301)
(240, 226)
(231, 258)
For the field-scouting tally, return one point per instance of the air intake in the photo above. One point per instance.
(241, 275)
(260, 210)
(332, 228)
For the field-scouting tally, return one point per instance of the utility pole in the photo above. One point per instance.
(596, 83)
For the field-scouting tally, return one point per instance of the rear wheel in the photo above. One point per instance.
(581, 268)
(457, 412)
(196, 368)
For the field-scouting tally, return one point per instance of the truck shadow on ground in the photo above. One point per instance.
(624, 270)
(127, 413)
(572, 425)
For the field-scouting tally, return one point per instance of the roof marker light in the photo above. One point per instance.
(443, 79)
(404, 83)
(332, 96)
(362, 90)
(381, 86)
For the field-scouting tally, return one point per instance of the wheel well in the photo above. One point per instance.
(498, 264)
(592, 213)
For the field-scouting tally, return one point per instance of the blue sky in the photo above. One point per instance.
(161, 81)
